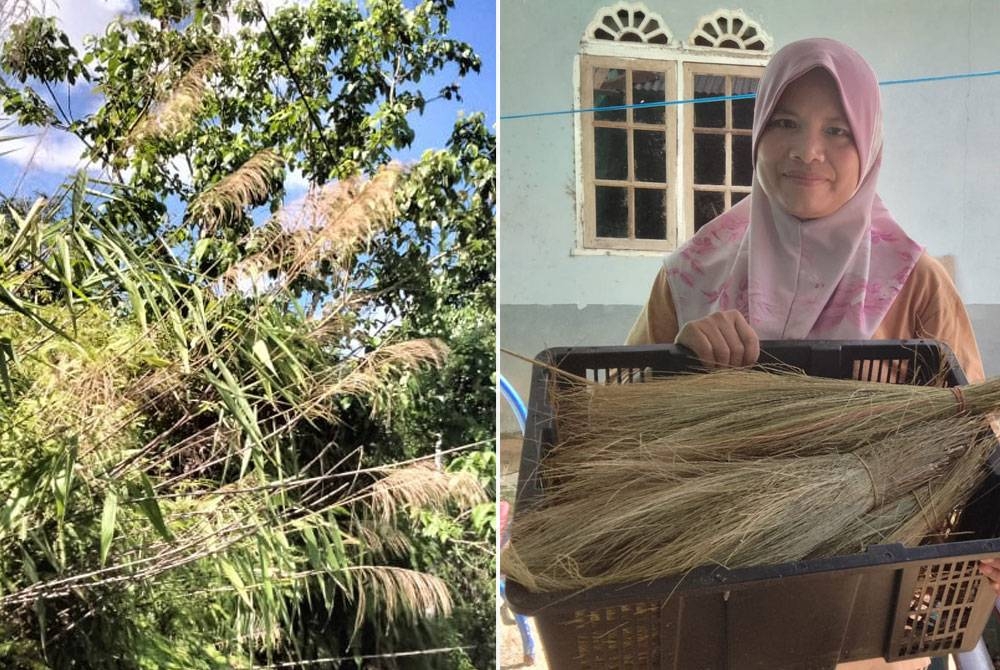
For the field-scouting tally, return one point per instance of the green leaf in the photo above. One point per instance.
(261, 352)
(108, 524)
(229, 570)
(150, 508)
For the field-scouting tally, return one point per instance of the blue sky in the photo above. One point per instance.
(40, 163)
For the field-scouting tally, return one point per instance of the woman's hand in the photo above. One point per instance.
(990, 567)
(721, 340)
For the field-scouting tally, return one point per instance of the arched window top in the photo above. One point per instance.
(629, 22)
(730, 29)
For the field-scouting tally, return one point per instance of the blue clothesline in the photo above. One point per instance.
(742, 96)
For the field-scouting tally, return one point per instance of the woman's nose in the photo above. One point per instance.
(808, 147)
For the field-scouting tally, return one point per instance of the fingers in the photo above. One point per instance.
(721, 339)
(990, 568)
(751, 343)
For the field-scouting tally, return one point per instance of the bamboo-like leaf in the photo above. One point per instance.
(108, 519)
(6, 358)
(25, 225)
(138, 304)
(230, 573)
(235, 401)
(30, 570)
(261, 352)
(150, 507)
(10, 518)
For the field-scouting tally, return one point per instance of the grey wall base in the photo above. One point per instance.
(528, 329)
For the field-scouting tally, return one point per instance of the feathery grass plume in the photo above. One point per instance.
(178, 108)
(225, 201)
(327, 225)
(382, 539)
(400, 592)
(344, 215)
(373, 376)
(422, 486)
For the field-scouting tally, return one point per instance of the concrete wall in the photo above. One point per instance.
(940, 174)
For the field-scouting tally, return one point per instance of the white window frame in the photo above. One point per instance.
(680, 174)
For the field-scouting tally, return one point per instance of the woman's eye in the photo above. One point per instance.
(838, 132)
(782, 123)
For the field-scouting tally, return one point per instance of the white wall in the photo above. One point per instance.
(940, 174)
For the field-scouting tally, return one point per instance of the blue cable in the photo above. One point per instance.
(514, 400)
(741, 96)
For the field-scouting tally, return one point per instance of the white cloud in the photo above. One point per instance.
(78, 18)
(54, 151)
(231, 26)
(296, 184)
(46, 150)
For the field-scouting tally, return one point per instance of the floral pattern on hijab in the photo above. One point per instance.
(829, 278)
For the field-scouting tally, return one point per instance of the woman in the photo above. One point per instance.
(812, 253)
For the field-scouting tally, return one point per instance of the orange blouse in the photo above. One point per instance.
(928, 306)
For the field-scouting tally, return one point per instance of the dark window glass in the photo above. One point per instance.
(648, 87)
(650, 156)
(742, 164)
(612, 211)
(707, 206)
(709, 159)
(609, 90)
(610, 153)
(709, 114)
(743, 109)
(739, 196)
(650, 214)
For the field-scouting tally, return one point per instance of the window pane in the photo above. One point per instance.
(743, 109)
(742, 165)
(610, 153)
(707, 206)
(709, 159)
(648, 87)
(612, 211)
(738, 196)
(650, 156)
(609, 90)
(650, 214)
(709, 114)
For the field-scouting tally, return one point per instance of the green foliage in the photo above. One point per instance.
(201, 415)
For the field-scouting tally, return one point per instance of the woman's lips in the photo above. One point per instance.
(804, 179)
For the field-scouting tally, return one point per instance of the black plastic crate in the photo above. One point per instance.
(890, 601)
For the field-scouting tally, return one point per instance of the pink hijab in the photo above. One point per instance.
(828, 278)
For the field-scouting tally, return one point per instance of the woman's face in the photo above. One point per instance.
(806, 158)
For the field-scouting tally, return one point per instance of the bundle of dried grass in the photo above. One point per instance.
(744, 468)
(742, 413)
